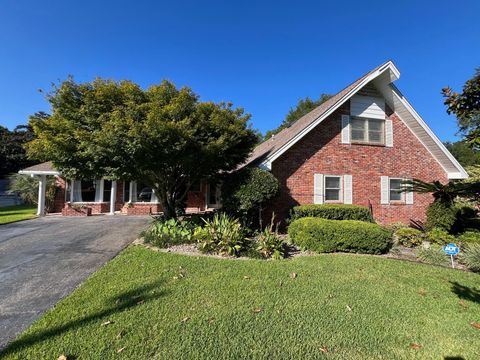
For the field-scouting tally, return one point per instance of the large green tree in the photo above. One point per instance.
(466, 107)
(12, 153)
(464, 153)
(163, 136)
(303, 107)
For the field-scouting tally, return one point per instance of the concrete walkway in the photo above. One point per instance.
(44, 259)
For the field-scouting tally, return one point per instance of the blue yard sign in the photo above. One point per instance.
(452, 250)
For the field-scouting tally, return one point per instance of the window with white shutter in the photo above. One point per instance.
(332, 189)
(393, 191)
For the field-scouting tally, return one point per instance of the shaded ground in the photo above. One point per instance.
(44, 259)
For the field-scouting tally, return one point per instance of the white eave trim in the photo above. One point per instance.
(394, 75)
(39, 172)
(461, 174)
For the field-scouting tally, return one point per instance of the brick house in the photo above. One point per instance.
(356, 148)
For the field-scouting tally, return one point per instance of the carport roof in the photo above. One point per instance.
(45, 168)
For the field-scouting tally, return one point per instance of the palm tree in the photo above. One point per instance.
(445, 193)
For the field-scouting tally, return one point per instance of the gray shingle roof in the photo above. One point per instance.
(283, 137)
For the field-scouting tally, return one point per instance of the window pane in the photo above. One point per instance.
(358, 135)
(396, 184)
(395, 195)
(375, 136)
(358, 124)
(375, 125)
(332, 182)
(395, 189)
(332, 195)
(144, 192)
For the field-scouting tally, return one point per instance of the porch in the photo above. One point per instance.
(110, 197)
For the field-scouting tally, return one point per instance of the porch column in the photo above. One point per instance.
(42, 185)
(113, 197)
(130, 191)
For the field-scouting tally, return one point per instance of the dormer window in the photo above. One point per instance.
(368, 131)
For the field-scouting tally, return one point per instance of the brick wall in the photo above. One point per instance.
(321, 151)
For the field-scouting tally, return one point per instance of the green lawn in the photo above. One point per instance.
(9, 214)
(169, 306)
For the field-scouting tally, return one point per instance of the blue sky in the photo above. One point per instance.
(261, 55)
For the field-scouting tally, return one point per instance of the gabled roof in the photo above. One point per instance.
(45, 168)
(382, 77)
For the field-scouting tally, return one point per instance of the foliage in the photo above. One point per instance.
(471, 256)
(303, 107)
(433, 255)
(9, 214)
(12, 153)
(168, 233)
(322, 235)
(466, 107)
(222, 234)
(246, 192)
(27, 188)
(441, 215)
(445, 193)
(469, 237)
(440, 236)
(269, 244)
(332, 212)
(409, 237)
(163, 136)
(464, 153)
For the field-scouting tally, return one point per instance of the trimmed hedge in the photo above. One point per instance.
(332, 212)
(322, 235)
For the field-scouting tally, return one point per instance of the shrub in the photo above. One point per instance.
(409, 237)
(441, 215)
(222, 234)
(470, 237)
(246, 192)
(322, 235)
(27, 188)
(433, 255)
(332, 212)
(471, 257)
(440, 237)
(167, 233)
(269, 244)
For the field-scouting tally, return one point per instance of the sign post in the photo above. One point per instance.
(452, 250)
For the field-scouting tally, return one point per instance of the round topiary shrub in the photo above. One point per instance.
(322, 235)
(246, 192)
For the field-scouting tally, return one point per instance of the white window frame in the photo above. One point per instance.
(133, 195)
(340, 189)
(208, 204)
(69, 193)
(402, 194)
(367, 131)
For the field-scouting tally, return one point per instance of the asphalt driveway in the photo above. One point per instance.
(44, 259)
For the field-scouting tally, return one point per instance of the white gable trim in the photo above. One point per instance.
(394, 74)
(461, 174)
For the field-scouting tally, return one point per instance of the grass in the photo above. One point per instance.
(168, 306)
(9, 214)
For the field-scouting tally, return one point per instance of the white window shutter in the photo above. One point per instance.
(388, 133)
(318, 189)
(384, 190)
(409, 195)
(347, 189)
(345, 129)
